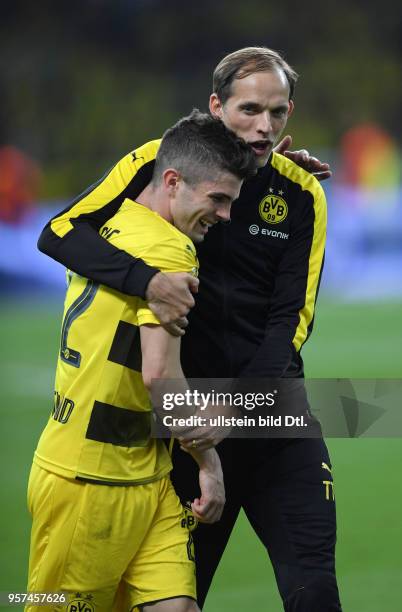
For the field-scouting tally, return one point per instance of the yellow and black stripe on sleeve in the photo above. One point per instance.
(129, 176)
(72, 237)
(310, 185)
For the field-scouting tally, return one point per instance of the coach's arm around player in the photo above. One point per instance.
(72, 237)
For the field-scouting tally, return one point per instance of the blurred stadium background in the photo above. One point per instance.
(83, 83)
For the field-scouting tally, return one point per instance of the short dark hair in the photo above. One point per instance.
(242, 63)
(199, 145)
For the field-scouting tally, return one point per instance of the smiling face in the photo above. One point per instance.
(195, 208)
(257, 110)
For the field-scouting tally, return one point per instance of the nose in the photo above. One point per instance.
(223, 212)
(264, 123)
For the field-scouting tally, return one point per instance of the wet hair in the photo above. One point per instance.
(198, 146)
(242, 63)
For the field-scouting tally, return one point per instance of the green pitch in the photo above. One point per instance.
(357, 340)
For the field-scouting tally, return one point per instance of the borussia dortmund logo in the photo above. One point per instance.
(273, 209)
(81, 603)
(188, 521)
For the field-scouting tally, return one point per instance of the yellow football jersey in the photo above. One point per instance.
(99, 428)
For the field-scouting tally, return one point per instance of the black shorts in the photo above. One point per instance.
(285, 488)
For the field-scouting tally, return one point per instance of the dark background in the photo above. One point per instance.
(84, 82)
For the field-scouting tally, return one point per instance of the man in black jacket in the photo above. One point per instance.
(259, 279)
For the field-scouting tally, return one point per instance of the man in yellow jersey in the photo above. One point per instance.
(108, 528)
(259, 282)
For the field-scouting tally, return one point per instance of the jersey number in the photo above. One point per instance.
(83, 301)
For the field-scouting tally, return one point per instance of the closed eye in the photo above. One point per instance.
(218, 198)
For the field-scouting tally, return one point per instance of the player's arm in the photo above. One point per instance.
(297, 282)
(72, 238)
(161, 360)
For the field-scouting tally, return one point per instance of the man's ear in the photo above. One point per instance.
(170, 178)
(291, 107)
(215, 106)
